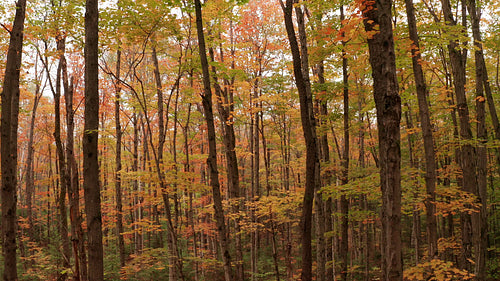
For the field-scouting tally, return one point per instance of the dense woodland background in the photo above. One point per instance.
(268, 140)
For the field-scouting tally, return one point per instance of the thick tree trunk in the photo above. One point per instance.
(388, 105)
(212, 153)
(91, 184)
(9, 125)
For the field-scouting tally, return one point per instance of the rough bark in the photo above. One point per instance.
(9, 122)
(91, 184)
(388, 105)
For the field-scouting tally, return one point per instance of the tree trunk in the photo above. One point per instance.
(388, 105)
(91, 184)
(344, 203)
(300, 70)
(63, 169)
(425, 121)
(212, 153)
(9, 122)
(118, 163)
(467, 153)
(225, 107)
(30, 173)
(326, 216)
(479, 219)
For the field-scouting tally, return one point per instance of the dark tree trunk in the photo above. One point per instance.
(425, 121)
(74, 186)
(212, 153)
(467, 152)
(91, 184)
(225, 107)
(63, 169)
(9, 125)
(300, 70)
(479, 219)
(344, 203)
(388, 105)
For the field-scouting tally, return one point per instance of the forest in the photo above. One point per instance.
(250, 140)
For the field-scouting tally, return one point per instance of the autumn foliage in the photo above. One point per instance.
(308, 185)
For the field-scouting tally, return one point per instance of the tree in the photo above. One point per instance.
(91, 184)
(212, 153)
(388, 105)
(467, 151)
(301, 74)
(430, 155)
(9, 122)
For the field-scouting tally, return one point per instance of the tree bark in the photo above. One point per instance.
(467, 152)
(425, 121)
(63, 169)
(479, 219)
(300, 70)
(9, 122)
(212, 153)
(91, 184)
(388, 105)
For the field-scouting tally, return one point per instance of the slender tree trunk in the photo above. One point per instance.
(9, 122)
(362, 163)
(118, 163)
(225, 106)
(300, 70)
(480, 223)
(30, 173)
(212, 153)
(388, 105)
(344, 202)
(467, 162)
(416, 230)
(138, 245)
(425, 121)
(326, 223)
(73, 180)
(63, 169)
(91, 183)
